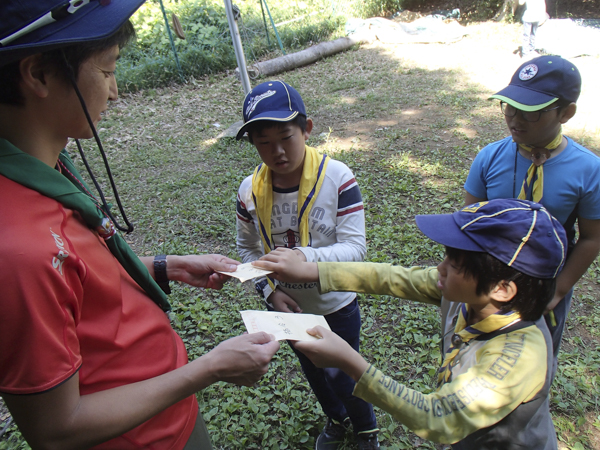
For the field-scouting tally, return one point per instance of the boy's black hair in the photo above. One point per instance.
(75, 55)
(260, 125)
(533, 294)
(561, 103)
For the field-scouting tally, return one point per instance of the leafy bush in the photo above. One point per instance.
(150, 61)
(377, 8)
(207, 48)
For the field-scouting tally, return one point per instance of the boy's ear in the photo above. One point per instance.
(33, 79)
(504, 291)
(567, 113)
(309, 127)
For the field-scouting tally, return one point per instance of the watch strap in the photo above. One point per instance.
(160, 273)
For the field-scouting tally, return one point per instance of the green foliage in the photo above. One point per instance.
(481, 10)
(207, 48)
(14, 441)
(376, 8)
(150, 61)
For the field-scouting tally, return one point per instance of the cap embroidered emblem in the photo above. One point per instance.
(254, 101)
(473, 208)
(528, 72)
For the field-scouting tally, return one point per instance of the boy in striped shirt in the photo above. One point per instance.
(307, 202)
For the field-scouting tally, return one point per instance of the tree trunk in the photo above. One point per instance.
(551, 7)
(508, 6)
(302, 58)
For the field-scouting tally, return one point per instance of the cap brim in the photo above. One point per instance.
(90, 23)
(528, 100)
(442, 228)
(273, 116)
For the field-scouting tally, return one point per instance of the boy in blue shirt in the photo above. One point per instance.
(538, 163)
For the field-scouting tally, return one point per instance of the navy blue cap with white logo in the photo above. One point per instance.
(520, 233)
(540, 82)
(34, 26)
(272, 100)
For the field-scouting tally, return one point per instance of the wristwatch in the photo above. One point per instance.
(160, 273)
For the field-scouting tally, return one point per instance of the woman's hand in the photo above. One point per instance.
(200, 270)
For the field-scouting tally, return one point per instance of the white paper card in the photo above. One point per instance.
(245, 272)
(291, 326)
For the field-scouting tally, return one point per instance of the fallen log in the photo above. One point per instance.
(304, 57)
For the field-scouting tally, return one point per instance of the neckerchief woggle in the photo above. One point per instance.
(71, 191)
(533, 184)
(313, 174)
(464, 333)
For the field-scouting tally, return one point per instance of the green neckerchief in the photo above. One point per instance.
(70, 190)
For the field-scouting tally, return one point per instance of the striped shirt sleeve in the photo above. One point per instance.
(349, 198)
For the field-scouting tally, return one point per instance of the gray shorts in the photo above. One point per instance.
(199, 439)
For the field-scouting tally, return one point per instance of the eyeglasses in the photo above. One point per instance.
(60, 12)
(529, 116)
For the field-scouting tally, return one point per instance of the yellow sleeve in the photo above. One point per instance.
(415, 283)
(509, 370)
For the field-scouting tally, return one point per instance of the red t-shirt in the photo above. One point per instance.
(68, 305)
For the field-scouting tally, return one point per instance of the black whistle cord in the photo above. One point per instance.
(129, 227)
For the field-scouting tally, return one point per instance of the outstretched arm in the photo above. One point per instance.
(61, 418)
(415, 283)
(332, 351)
(482, 395)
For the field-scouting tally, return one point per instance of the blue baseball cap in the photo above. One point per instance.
(520, 233)
(34, 26)
(272, 100)
(540, 82)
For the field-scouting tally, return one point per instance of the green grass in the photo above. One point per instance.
(409, 132)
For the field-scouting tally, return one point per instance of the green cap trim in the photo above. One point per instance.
(521, 106)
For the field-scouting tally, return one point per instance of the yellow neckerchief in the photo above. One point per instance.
(464, 333)
(313, 174)
(533, 184)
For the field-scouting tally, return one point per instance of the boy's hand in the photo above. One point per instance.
(332, 351)
(244, 359)
(289, 265)
(199, 270)
(283, 303)
(555, 301)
